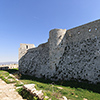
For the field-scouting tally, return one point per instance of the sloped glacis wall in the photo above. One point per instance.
(68, 54)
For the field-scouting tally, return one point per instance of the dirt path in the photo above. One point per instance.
(8, 92)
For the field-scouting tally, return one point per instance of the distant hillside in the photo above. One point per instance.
(8, 63)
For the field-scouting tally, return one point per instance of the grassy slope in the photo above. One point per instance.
(73, 90)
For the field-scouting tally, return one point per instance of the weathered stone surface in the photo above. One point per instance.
(56, 47)
(85, 99)
(63, 98)
(71, 54)
(46, 97)
(36, 61)
(59, 87)
(31, 88)
(23, 49)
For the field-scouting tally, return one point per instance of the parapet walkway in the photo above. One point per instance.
(8, 92)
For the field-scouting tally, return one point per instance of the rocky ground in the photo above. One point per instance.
(8, 92)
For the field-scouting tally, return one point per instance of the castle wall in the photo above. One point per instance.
(71, 54)
(81, 57)
(83, 32)
(80, 60)
(24, 48)
(35, 61)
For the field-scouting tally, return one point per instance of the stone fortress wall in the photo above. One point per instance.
(23, 49)
(68, 54)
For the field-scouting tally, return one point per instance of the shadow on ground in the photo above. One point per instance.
(72, 83)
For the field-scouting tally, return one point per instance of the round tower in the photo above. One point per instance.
(56, 46)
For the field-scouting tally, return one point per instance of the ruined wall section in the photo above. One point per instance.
(24, 48)
(36, 61)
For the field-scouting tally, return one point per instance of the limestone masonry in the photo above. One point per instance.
(68, 54)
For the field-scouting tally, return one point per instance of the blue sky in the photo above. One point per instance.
(29, 21)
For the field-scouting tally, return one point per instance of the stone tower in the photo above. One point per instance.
(24, 48)
(56, 47)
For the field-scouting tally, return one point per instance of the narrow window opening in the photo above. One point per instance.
(60, 37)
(79, 32)
(26, 46)
(70, 35)
(89, 30)
(96, 29)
